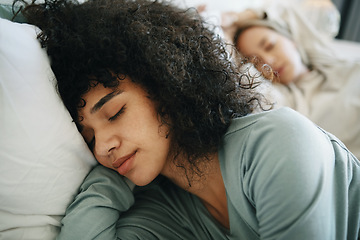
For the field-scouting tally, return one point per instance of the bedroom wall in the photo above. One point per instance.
(350, 19)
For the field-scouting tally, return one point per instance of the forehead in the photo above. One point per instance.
(252, 37)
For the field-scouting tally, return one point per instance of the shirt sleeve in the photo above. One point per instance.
(102, 197)
(289, 178)
(106, 208)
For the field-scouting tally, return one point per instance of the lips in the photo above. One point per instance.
(120, 161)
(279, 70)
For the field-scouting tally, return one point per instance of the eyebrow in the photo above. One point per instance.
(104, 100)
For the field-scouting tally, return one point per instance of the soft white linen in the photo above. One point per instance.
(43, 158)
(347, 50)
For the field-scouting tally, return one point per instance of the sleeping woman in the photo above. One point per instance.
(307, 75)
(158, 100)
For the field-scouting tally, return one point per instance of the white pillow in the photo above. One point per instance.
(43, 158)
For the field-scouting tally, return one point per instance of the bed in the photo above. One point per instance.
(43, 157)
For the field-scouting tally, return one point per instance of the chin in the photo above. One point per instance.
(140, 180)
(141, 184)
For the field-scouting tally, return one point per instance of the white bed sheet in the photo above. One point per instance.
(347, 49)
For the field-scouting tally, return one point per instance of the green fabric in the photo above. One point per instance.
(7, 13)
(101, 211)
(164, 211)
(288, 179)
(285, 178)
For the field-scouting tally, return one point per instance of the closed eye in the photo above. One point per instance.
(117, 114)
(269, 46)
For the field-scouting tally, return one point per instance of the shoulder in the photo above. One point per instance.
(279, 123)
(279, 137)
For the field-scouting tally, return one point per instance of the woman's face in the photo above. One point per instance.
(124, 131)
(274, 49)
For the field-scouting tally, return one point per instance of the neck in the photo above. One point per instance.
(209, 187)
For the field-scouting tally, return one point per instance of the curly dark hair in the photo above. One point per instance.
(169, 51)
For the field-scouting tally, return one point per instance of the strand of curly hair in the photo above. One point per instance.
(169, 51)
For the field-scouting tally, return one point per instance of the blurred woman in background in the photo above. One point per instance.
(306, 73)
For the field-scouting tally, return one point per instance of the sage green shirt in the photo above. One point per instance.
(285, 178)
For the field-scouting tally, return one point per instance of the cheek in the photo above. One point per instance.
(290, 51)
(103, 161)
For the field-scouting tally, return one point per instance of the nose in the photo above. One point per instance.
(105, 143)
